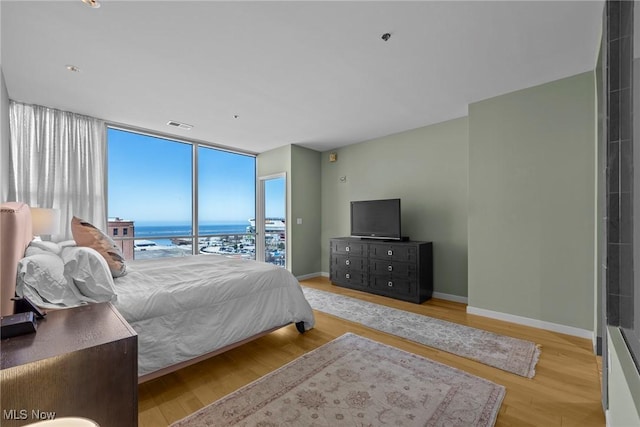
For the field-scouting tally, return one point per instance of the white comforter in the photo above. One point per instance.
(184, 307)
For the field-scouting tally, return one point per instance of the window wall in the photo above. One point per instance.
(177, 198)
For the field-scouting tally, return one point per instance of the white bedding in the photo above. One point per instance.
(184, 307)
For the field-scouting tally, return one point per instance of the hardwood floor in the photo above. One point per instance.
(564, 392)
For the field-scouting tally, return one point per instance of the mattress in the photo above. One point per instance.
(185, 307)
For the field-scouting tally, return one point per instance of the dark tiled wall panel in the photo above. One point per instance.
(620, 164)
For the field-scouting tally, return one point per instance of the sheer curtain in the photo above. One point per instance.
(58, 161)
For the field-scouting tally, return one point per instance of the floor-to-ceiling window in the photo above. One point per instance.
(226, 202)
(176, 198)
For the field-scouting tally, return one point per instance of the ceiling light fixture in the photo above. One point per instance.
(92, 3)
(386, 36)
(72, 68)
(179, 125)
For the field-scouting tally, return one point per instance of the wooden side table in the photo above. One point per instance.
(81, 362)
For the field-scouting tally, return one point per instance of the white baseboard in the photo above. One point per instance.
(309, 276)
(450, 297)
(520, 320)
(526, 321)
(439, 295)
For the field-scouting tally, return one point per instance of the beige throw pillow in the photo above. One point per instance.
(85, 234)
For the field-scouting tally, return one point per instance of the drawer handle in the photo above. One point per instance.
(347, 276)
(389, 252)
(390, 284)
(348, 261)
(390, 268)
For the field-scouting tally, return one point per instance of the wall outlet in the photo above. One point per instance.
(299, 221)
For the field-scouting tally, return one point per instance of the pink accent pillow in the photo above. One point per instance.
(86, 234)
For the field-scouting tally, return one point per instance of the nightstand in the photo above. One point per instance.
(81, 362)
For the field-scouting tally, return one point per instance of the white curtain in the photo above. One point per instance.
(58, 161)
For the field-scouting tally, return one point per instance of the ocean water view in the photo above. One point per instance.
(231, 238)
(160, 232)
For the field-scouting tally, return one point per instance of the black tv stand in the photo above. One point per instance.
(393, 268)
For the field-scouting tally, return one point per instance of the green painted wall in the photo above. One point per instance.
(532, 204)
(305, 204)
(302, 168)
(274, 161)
(427, 169)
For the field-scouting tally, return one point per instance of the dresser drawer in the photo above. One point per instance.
(406, 253)
(349, 262)
(392, 286)
(390, 267)
(349, 247)
(348, 277)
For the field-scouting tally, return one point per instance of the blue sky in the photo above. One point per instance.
(274, 190)
(150, 182)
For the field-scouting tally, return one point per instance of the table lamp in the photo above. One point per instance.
(45, 221)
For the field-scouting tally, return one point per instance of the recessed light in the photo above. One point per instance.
(92, 3)
(72, 68)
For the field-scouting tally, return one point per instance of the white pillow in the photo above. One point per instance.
(90, 273)
(41, 246)
(41, 279)
(67, 243)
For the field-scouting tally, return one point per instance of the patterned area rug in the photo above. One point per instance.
(353, 381)
(506, 353)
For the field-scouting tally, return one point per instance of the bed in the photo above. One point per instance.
(183, 309)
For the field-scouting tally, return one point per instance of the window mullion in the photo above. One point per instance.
(195, 247)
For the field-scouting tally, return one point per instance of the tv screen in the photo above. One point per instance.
(376, 219)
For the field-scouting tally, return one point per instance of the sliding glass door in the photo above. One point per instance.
(271, 221)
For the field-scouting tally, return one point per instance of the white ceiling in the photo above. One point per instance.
(316, 74)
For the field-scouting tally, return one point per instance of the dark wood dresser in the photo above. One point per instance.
(397, 269)
(80, 362)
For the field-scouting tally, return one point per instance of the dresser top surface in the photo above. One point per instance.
(373, 241)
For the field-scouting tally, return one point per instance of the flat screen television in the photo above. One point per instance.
(376, 219)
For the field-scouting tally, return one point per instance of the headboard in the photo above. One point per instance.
(15, 235)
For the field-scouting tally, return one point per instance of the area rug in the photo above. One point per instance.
(506, 353)
(354, 381)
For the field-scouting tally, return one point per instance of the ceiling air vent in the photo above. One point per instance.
(179, 125)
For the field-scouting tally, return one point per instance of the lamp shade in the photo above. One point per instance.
(45, 221)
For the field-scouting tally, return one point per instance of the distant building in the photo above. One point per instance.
(122, 232)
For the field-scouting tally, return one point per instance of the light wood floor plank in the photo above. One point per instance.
(564, 392)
